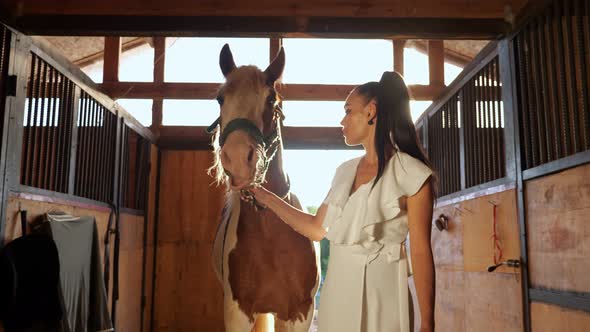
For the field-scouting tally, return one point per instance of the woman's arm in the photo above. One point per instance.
(306, 224)
(420, 208)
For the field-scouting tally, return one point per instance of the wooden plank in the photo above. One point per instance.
(478, 249)
(548, 318)
(149, 266)
(36, 208)
(344, 8)
(112, 54)
(451, 296)
(398, 55)
(494, 302)
(436, 62)
(263, 26)
(143, 90)
(558, 233)
(130, 268)
(179, 137)
(188, 295)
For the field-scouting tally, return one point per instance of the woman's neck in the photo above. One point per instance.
(371, 157)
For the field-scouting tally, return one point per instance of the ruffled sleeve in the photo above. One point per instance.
(410, 173)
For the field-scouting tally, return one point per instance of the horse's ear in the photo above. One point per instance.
(226, 61)
(275, 69)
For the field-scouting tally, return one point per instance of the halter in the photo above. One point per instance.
(268, 143)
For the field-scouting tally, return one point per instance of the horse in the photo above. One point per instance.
(264, 266)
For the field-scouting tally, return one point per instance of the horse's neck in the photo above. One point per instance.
(276, 178)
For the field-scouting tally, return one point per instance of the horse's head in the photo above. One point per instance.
(248, 127)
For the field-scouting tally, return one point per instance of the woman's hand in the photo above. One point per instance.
(302, 222)
(261, 194)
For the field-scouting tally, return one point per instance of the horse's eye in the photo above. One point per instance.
(220, 100)
(271, 100)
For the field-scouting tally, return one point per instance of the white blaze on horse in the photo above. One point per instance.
(265, 267)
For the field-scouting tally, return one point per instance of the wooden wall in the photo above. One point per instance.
(188, 295)
(558, 227)
(558, 235)
(550, 318)
(468, 298)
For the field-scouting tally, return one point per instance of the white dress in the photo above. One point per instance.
(366, 287)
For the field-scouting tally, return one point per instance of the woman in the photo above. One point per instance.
(374, 202)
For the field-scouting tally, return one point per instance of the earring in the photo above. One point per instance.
(371, 122)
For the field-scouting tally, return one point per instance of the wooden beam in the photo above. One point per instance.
(436, 62)
(319, 8)
(398, 55)
(166, 90)
(178, 137)
(275, 26)
(112, 54)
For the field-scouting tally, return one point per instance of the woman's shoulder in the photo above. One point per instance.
(408, 172)
(349, 165)
(402, 161)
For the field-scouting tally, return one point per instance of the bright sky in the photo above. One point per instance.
(318, 61)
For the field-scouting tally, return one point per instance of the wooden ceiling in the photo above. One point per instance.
(428, 19)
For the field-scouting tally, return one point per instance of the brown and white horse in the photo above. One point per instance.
(265, 267)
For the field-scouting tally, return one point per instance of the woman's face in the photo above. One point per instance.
(358, 112)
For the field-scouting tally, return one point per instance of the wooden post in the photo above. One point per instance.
(159, 58)
(275, 46)
(398, 56)
(436, 62)
(159, 62)
(112, 53)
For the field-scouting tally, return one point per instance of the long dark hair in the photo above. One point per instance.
(394, 121)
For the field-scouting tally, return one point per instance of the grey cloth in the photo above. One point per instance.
(82, 286)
